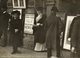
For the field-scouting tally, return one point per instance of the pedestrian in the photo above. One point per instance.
(53, 31)
(16, 31)
(74, 35)
(39, 34)
(4, 21)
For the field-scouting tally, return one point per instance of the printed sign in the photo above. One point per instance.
(29, 22)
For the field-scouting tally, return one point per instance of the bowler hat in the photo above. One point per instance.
(54, 8)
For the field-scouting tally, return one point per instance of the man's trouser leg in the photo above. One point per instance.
(0, 33)
(49, 52)
(58, 47)
(5, 37)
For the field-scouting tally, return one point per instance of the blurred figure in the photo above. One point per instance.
(39, 34)
(16, 31)
(53, 28)
(4, 20)
(74, 36)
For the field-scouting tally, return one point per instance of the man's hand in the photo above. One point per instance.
(73, 49)
(38, 24)
(69, 39)
(41, 24)
(16, 30)
(61, 35)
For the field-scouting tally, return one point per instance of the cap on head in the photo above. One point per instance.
(16, 12)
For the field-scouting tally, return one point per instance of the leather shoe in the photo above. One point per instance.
(13, 52)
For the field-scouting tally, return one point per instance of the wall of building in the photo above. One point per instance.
(69, 6)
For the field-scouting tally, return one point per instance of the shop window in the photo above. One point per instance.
(19, 3)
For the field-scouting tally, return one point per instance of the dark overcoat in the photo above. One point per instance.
(53, 30)
(39, 34)
(16, 37)
(75, 33)
(4, 19)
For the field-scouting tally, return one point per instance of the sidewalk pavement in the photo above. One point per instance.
(27, 50)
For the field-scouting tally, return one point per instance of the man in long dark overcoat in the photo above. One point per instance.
(53, 28)
(4, 19)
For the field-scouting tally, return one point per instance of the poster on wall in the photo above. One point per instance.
(66, 44)
(29, 22)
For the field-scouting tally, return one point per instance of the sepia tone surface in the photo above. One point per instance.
(27, 51)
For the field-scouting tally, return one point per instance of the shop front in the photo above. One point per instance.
(28, 13)
(27, 9)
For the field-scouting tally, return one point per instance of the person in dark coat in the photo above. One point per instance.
(1, 20)
(4, 20)
(16, 31)
(39, 34)
(53, 31)
(74, 34)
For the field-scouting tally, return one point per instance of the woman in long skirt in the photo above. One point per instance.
(39, 34)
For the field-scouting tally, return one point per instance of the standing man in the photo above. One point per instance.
(53, 28)
(74, 34)
(16, 31)
(4, 18)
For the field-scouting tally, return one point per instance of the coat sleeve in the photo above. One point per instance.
(60, 25)
(74, 33)
(20, 26)
(71, 26)
(11, 27)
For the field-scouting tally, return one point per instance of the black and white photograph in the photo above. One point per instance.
(39, 28)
